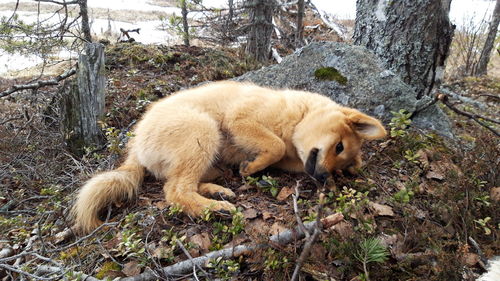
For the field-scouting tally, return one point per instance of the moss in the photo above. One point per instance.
(331, 74)
(107, 268)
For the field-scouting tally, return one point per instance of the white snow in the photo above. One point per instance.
(150, 32)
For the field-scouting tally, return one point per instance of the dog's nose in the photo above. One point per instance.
(322, 177)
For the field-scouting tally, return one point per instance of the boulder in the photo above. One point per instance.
(352, 76)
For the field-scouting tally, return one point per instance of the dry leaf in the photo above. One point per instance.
(266, 215)
(202, 241)
(257, 228)
(250, 214)
(284, 193)
(471, 259)
(381, 210)
(131, 268)
(63, 235)
(277, 228)
(495, 194)
(343, 228)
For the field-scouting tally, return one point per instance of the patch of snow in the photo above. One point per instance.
(493, 273)
(380, 12)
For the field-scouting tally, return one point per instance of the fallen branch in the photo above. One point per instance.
(444, 99)
(38, 84)
(461, 98)
(311, 239)
(283, 238)
(45, 269)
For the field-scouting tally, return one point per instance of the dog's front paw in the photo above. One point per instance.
(224, 207)
(244, 168)
(226, 195)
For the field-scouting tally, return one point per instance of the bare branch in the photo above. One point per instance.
(282, 238)
(39, 84)
(444, 99)
(310, 240)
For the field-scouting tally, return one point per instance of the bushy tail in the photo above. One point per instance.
(104, 189)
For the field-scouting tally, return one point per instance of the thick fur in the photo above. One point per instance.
(182, 137)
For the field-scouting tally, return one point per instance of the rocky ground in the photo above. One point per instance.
(418, 198)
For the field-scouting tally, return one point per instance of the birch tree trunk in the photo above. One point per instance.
(85, 20)
(259, 36)
(412, 38)
(482, 65)
(82, 103)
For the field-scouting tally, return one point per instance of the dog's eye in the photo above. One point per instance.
(339, 148)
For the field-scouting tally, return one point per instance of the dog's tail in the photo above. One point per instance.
(104, 189)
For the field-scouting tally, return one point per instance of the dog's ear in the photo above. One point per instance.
(367, 127)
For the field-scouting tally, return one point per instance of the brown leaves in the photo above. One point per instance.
(285, 192)
(381, 210)
(201, 241)
(131, 268)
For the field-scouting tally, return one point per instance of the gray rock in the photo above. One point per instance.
(369, 87)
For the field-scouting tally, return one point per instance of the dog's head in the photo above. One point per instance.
(330, 139)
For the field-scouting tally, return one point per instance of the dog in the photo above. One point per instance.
(183, 137)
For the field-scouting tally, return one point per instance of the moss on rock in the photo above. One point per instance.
(331, 74)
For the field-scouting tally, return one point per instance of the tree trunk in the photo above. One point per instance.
(482, 65)
(299, 33)
(85, 20)
(412, 38)
(259, 36)
(185, 24)
(82, 104)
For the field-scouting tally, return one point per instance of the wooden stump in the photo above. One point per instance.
(82, 102)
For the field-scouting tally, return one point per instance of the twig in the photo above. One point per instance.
(444, 99)
(39, 84)
(310, 241)
(179, 243)
(296, 210)
(282, 238)
(82, 238)
(32, 276)
(44, 269)
(483, 260)
(449, 93)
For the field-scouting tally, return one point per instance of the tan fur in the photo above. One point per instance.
(181, 137)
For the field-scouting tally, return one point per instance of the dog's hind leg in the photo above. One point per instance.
(191, 145)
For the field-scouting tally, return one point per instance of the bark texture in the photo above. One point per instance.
(82, 103)
(482, 65)
(412, 38)
(259, 35)
(85, 20)
(185, 25)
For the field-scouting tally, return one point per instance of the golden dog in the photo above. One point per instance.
(182, 137)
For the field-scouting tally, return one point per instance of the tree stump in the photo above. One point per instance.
(82, 102)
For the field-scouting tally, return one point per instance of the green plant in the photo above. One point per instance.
(266, 183)
(223, 233)
(225, 269)
(483, 200)
(274, 260)
(411, 156)
(404, 195)
(351, 200)
(370, 250)
(483, 223)
(399, 123)
(174, 210)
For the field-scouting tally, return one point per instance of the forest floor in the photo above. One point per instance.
(420, 195)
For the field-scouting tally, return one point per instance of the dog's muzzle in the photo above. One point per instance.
(320, 174)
